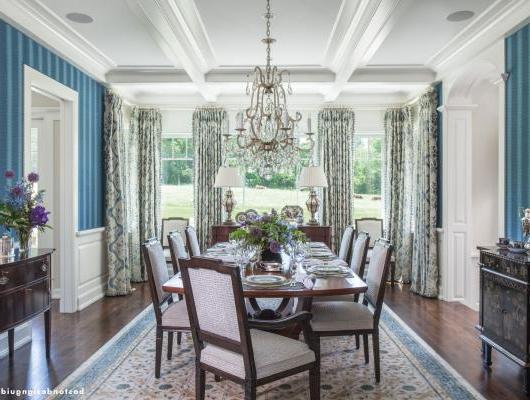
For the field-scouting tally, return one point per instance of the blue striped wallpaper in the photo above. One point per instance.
(17, 49)
(517, 129)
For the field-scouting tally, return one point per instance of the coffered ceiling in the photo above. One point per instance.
(193, 51)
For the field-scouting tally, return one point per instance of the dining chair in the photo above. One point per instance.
(177, 250)
(170, 319)
(345, 244)
(346, 318)
(230, 345)
(193, 241)
(374, 227)
(173, 224)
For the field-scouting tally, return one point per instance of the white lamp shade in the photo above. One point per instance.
(313, 177)
(228, 177)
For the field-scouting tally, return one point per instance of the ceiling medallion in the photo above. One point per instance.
(265, 140)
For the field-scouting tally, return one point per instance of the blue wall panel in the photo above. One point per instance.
(17, 49)
(517, 129)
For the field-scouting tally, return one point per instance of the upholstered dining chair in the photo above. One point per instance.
(193, 241)
(346, 318)
(173, 224)
(374, 227)
(177, 249)
(174, 317)
(229, 345)
(345, 244)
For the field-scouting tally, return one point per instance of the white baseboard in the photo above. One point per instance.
(22, 336)
(91, 291)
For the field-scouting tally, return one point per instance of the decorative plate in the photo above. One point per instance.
(265, 280)
(328, 270)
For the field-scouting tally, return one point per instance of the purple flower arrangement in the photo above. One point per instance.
(22, 210)
(269, 232)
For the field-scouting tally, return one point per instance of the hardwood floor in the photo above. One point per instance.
(447, 327)
(75, 337)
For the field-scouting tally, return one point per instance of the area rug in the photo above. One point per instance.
(410, 369)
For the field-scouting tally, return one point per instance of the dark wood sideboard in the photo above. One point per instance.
(25, 292)
(315, 233)
(504, 306)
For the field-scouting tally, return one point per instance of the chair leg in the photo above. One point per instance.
(200, 383)
(314, 382)
(179, 338)
(169, 345)
(375, 340)
(357, 344)
(366, 353)
(158, 354)
(250, 390)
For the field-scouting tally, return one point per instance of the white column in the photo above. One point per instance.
(502, 164)
(455, 268)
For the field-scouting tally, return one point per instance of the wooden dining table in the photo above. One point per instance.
(303, 285)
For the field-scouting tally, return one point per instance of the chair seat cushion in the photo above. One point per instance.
(329, 316)
(272, 354)
(344, 297)
(176, 315)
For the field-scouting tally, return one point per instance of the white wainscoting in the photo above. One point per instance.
(92, 266)
(22, 336)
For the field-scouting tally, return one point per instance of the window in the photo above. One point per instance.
(367, 176)
(177, 176)
(263, 195)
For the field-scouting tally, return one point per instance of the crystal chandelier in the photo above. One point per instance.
(265, 140)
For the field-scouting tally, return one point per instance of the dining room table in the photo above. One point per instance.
(320, 274)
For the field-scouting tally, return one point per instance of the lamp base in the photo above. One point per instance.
(312, 222)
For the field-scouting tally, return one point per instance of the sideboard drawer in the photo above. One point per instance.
(505, 266)
(24, 303)
(23, 274)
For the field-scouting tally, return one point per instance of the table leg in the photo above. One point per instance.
(47, 331)
(11, 342)
(527, 380)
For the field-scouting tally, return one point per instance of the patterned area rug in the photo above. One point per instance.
(124, 369)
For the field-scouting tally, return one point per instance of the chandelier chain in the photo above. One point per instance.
(268, 33)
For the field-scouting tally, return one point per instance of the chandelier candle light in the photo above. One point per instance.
(313, 177)
(228, 177)
(269, 144)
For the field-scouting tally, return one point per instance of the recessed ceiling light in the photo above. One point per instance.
(80, 18)
(460, 16)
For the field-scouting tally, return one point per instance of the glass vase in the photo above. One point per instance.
(24, 240)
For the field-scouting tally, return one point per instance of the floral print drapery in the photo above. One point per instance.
(116, 199)
(411, 192)
(335, 134)
(146, 130)
(209, 124)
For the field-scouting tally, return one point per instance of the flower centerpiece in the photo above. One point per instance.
(270, 234)
(22, 211)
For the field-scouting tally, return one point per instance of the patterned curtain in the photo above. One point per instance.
(208, 126)
(146, 130)
(335, 133)
(398, 191)
(425, 272)
(116, 218)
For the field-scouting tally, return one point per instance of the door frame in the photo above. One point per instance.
(68, 176)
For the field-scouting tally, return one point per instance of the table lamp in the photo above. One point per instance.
(228, 177)
(313, 177)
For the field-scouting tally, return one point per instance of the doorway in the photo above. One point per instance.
(44, 145)
(50, 148)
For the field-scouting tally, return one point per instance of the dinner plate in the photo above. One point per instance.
(328, 270)
(265, 280)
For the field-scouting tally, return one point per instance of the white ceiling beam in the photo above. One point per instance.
(496, 22)
(393, 74)
(298, 74)
(363, 32)
(147, 75)
(46, 27)
(178, 31)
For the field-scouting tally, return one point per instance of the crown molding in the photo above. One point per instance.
(147, 75)
(177, 31)
(394, 74)
(46, 27)
(493, 24)
(371, 24)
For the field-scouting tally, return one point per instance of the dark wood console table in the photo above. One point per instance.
(504, 306)
(25, 292)
(315, 233)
